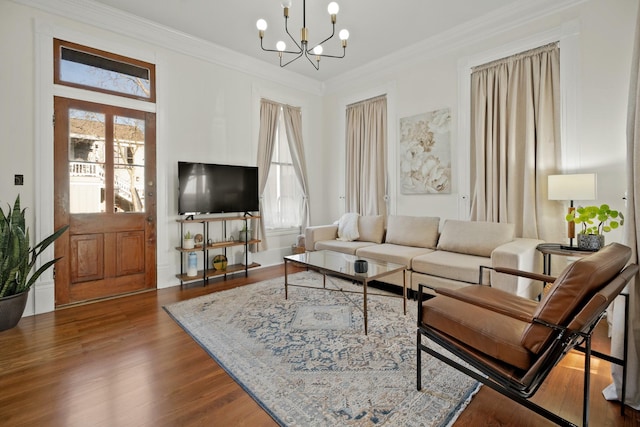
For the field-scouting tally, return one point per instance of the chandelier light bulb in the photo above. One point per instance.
(286, 3)
(344, 34)
(333, 8)
(281, 46)
(261, 24)
(317, 50)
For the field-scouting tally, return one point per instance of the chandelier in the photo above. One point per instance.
(303, 46)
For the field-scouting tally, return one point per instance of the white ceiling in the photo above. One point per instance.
(377, 28)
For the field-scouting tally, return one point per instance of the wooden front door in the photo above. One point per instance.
(105, 191)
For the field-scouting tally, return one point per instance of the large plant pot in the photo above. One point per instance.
(11, 309)
(590, 242)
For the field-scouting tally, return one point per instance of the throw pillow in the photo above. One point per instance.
(348, 227)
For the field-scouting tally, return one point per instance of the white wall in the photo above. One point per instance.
(205, 112)
(602, 57)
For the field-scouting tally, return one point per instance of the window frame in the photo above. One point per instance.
(58, 44)
(277, 165)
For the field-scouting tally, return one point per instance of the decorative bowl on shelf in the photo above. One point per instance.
(219, 262)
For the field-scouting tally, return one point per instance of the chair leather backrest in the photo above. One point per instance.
(602, 299)
(572, 290)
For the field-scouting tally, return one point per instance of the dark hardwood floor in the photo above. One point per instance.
(124, 362)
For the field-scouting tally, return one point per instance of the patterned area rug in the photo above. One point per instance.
(307, 361)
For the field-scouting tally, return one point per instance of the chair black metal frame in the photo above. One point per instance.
(564, 341)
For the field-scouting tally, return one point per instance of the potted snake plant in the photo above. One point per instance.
(17, 262)
(594, 222)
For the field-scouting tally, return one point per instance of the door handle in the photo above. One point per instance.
(149, 219)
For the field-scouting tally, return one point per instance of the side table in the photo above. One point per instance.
(548, 249)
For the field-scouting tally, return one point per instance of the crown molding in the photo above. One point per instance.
(123, 23)
(481, 28)
(484, 27)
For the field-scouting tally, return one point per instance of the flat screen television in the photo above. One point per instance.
(205, 188)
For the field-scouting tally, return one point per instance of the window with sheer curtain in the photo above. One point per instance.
(282, 198)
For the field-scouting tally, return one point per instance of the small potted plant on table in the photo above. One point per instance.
(188, 241)
(595, 221)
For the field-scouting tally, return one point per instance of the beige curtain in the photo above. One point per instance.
(269, 115)
(632, 239)
(293, 125)
(515, 122)
(366, 168)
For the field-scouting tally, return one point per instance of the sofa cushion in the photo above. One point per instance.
(417, 231)
(371, 228)
(392, 253)
(474, 237)
(451, 265)
(341, 246)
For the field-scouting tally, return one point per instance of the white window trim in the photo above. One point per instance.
(42, 299)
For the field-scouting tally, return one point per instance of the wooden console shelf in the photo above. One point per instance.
(212, 273)
(207, 272)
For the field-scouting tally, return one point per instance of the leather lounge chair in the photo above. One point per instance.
(512, 343)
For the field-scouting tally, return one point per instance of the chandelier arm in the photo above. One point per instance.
(316, 66)
(289, 62)
(333, 33)
(286, 28)
(344, 52)
(279, 51)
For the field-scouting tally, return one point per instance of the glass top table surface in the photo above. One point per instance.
(344, 264)
(559, 249)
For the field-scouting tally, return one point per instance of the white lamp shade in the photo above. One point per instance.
(572, 186)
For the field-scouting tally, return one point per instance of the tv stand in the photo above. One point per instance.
(207, 271)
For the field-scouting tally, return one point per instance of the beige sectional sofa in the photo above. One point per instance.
(448, 256)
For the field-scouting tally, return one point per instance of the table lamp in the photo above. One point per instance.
(580, 186)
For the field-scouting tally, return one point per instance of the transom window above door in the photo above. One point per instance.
(88, 68)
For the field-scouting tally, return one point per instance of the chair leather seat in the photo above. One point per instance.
(489, 332)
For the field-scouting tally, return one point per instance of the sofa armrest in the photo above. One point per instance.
(319, 233)
(519, 254)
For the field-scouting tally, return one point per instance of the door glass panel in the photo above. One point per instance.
(128, 155)
(86, 161)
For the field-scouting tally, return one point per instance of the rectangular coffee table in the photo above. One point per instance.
(342, 265)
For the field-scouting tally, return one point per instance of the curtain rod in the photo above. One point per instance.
(520, 55)
(375, 98)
